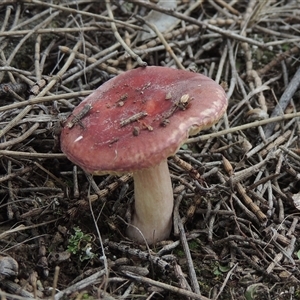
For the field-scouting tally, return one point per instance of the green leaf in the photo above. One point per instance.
(298, 254)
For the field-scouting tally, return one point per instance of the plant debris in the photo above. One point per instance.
(236, 186)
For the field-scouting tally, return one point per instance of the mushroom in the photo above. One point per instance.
(133, 123)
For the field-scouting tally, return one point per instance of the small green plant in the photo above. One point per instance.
(80, 244)
(219, 269)
(298, 254)
(193, 245)
(86, 296)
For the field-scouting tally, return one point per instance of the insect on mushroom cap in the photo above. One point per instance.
(160, 108)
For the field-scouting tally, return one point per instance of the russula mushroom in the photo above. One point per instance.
(133, 123)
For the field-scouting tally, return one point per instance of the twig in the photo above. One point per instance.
(81, 12)
(227, 33)
(165, 286)
(192, 272)
(243, 127)
(225, 281)
(32, 155)
(166, 45)
(276, 61)
(93, 279)
(22, 137)
(119, 38)
(165, 266)
(41, 99)
(48, 30)
(284, 101)
(99, 63)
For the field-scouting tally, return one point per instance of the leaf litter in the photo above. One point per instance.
(236, 186)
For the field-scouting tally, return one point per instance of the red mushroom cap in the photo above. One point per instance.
(139, 118)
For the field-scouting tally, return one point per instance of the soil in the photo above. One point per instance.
(236, 185)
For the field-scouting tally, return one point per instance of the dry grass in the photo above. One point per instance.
(236, 186)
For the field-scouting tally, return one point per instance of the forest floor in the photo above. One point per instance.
(236, 185)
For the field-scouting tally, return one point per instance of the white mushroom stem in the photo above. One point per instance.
(153, 206)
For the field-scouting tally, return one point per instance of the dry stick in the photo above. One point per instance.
(183, 283)
(84, 13)
(229, 7)
(290, 153)
(166, 45)
(284, 101)
(46, 53)
(8, 61)
(249, 15)
(15, 120)
(233, 79)
(172, 36)
(91, 60)
(55, 281)
(41, 99)
(252, 263)
(176, 215)
(242, 127)
(11, 198)
(14, 70)
(238, 186)
(143, 255)
(292, 228)
(17, 16)
(23, 227)
(187, 167)
(221, 65)
(21, 138)
(263, 145)
(275, 239)
(272, 33)
(93, 279)
(278, 59)
(15, 290)
(182, 43)
(43, 23)
(258, 83)
(62, 183)
(15, 174)
(93, 47)
(109, 189)
(225, 281)
(248, 172)
(252, 93)
(119, 38)
(284, 41)
(93, 184)
(26, 110)
(280, 140)
(254, 79)
(17, 24)
(186, 249)
(98, 63)
(165, 286)
(191, 20)
(220, 9)
(212, 217)
(75, 183)
(253, 206)
(103, 257)
(13, 89)
(127, 40)
(6, 18)
(49, 30)
(37, 56)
